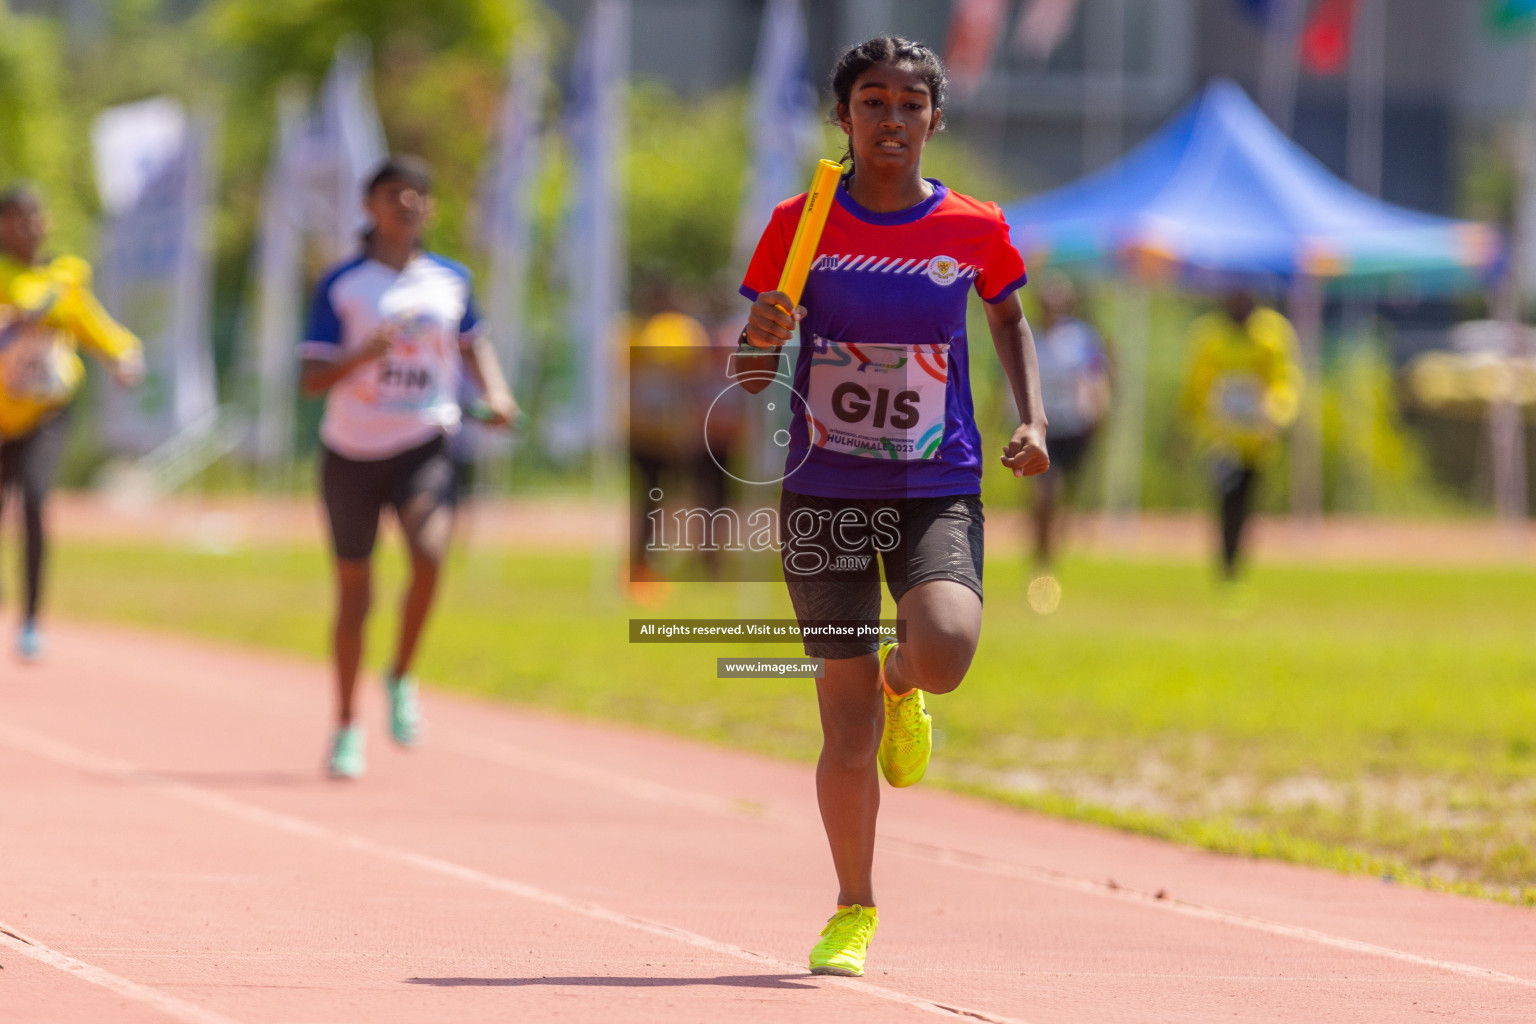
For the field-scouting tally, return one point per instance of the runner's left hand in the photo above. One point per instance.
(129, 371)
(1025, 453)
(497, 412)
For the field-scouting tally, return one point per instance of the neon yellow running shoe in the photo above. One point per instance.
(907, 743)
(844, 941)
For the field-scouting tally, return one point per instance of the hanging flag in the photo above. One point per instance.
(1325, 42)
(782, 96)
(595, 129)
(1043, 26)
(194, 381)
(1512, 15)
(279, 284)
(341, 144)
(1259, 10)
(154, 168)
(507, 199)
(974, 28)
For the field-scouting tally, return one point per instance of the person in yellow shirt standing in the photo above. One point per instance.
(46, 312)
(1242, 391)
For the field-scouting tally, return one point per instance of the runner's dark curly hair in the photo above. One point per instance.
(412, 170)
(882, 49)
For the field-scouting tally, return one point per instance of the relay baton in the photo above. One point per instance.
(802, 251)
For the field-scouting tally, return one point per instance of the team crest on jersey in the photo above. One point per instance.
(943, 270)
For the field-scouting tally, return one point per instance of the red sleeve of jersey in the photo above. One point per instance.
(1002, 268)
(772, 250)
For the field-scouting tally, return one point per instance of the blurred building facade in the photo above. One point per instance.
(1447, 79)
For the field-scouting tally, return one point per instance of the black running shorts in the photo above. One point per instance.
(1068, 453)
(356, 492)
(832, 547)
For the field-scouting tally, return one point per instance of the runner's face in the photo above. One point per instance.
(399, 211)
(1239, 306)
(889, 117)
(23, 226)
(1057, 299)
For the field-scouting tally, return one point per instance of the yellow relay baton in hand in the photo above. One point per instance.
(802, 252)
(818, 202)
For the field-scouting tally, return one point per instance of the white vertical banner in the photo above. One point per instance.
(596, 129)
(313, 194)
(506, 205)
(154, 174)
(342, 142)
(194, 384)
(781, 121)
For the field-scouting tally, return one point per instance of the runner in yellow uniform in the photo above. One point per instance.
(46, 312)
(1242, 391)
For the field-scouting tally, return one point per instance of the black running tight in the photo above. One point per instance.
(28, 463)
(1234, 489)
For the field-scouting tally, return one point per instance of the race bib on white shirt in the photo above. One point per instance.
(878, 401)
(411, 377)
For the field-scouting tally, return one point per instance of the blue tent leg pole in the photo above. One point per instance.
(1506, 416)
(1307, 440)
(1123, 466)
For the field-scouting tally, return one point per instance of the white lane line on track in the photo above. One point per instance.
(154, 998)
(624, 785)
(80, 760)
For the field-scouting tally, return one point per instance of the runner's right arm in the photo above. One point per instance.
(326, 361)
(768, 328)
(768, 325)
(317, 376)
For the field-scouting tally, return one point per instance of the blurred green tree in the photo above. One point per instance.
(39, 141)
(438, 78)
(685, 173)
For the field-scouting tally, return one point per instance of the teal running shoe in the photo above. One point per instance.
(347, 758)
(29, 642)
(404, 709)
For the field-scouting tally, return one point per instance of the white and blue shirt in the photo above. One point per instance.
(1072, 360)
(410, 396)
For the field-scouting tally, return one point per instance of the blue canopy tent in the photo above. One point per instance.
(1220, 198)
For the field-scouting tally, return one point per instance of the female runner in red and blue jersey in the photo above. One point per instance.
(884, 455)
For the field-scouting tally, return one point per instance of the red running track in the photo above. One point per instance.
(171, 853)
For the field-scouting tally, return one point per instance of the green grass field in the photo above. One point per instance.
(1379, 720)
